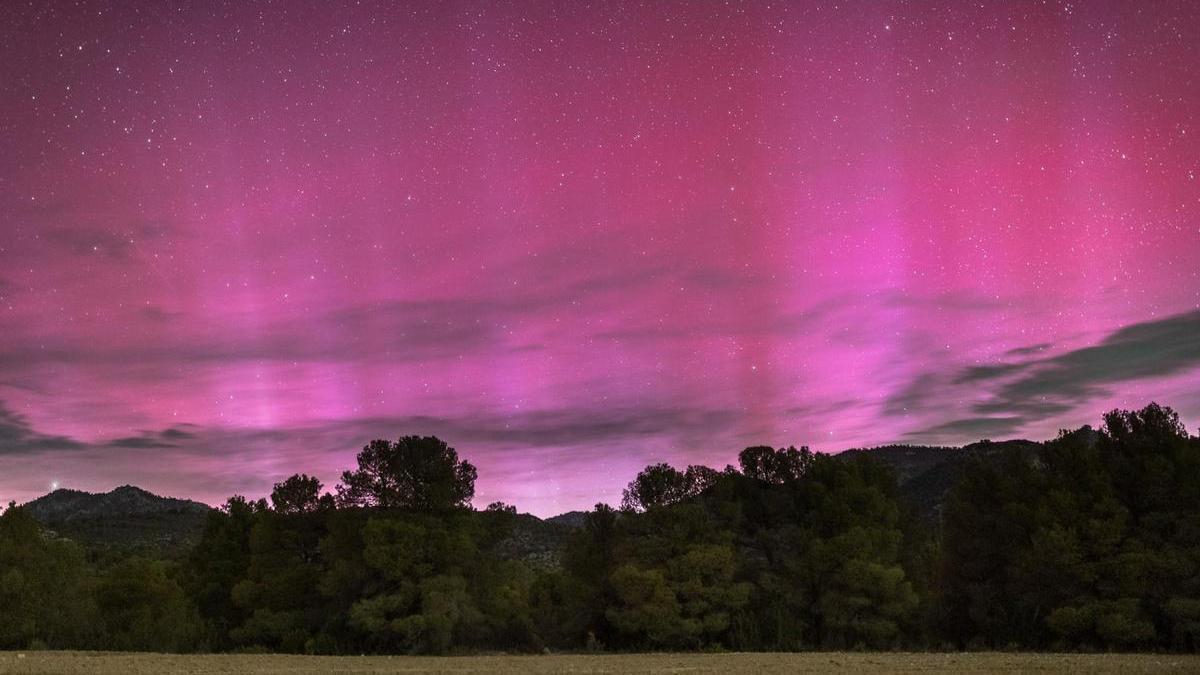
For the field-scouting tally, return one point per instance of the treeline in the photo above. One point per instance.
(1087, 542)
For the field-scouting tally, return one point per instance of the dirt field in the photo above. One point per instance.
(93, 662)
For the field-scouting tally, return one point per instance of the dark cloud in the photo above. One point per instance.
(970, 428)
(840, 314)
(534, 429)
(556, 428)
(583, 426)
(118, 244)
(157, 314)
(399, 330)
(1142, 350)
(718, 280)
(87, 241)
(17, 437)
(1032, 408)
(179, 432)
(166, 438)
(1030, 350)
(978, 373)
(952, 301)
(1029, 391)
(786, 324)
(732, 325)
(913, 396)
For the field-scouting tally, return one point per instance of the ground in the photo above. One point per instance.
(132, 664)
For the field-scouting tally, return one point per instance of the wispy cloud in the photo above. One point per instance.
(18, 437)
(1012, 394)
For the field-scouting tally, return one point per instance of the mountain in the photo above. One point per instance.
(571, 519)
(925, 475)
(127, 518)
(537, 542)
(130, 518)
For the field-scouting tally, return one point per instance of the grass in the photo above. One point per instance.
(988, 662)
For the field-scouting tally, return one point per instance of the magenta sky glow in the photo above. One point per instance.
(239, 240)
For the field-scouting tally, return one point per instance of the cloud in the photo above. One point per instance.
(972, 427)
(18, 437)
(157, 314)
(170, 437)
(978, 373)
(1030, 350)
(409, 330)
(953, 301)
(1142, 350)
(582, 426)
(1023, 392)
(86, 241)
(116, 244)
(913, 396)
(523, 448)
(399, 331)
(569, 426)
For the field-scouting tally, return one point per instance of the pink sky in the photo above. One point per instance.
(239, 242)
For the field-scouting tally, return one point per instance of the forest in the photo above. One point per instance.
(1087, 542)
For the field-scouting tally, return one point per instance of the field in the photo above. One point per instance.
(98, 662)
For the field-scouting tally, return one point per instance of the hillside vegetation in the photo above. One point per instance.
(1090, 541)
(126, 519)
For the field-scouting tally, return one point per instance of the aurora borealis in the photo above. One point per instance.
(239, 240)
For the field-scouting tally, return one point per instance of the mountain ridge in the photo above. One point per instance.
(67, 504)
(134, 518)
(126, 517)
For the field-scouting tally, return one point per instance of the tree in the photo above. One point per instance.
(775, 466)
(44, 594)
(421, 473)
(278, 592)
(420, 564)
(300, 493)
(1150, 426)
(662, 484)
(143, 608)
(218, 563)
(1091, 541)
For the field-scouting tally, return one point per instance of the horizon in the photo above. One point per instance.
(239, 243)
(328, 487)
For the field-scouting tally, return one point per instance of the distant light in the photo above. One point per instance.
(53, 485)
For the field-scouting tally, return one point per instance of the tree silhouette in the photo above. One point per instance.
(775, 466)
(300, 493)
(662, 485)
(421, 473)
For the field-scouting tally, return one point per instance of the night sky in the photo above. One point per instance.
(239, 240)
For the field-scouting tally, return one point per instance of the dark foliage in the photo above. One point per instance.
(126, 519)
(415, 472)
(1089, 541)
(1092, 542)
(300, 493)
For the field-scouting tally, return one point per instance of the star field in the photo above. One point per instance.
(238, 240)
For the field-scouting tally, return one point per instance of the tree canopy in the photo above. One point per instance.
(422, 473)
(1088, 541)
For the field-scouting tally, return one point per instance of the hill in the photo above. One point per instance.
(130, 518)
(127, 518)
(926, 474)
(537, 542)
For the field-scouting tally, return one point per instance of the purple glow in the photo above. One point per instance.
(238, 242)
